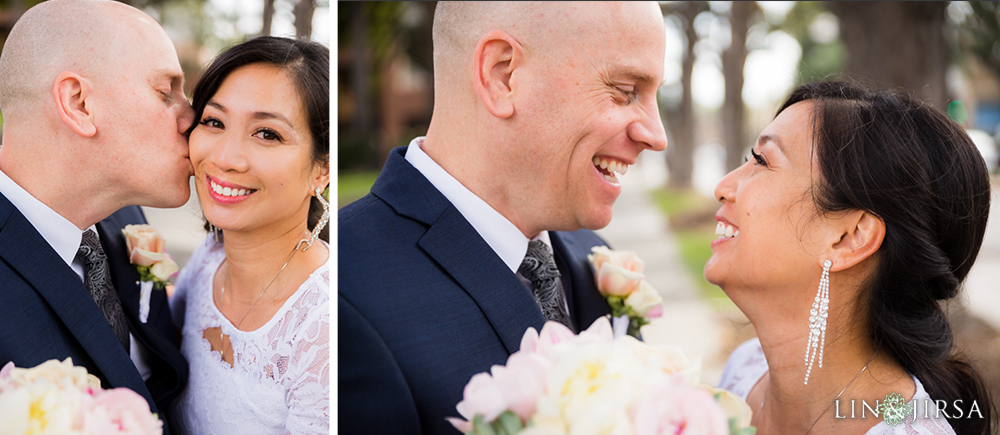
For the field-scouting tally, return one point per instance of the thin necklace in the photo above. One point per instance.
(223, 293)
(764, 399)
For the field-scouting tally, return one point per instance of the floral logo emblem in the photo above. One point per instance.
(894, 410)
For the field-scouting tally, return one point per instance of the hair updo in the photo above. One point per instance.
(308, 64)
(905, 162)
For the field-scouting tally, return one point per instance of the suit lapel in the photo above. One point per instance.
(585, 302)
(504, 300)
(26, 251)
(162, 384)
(454, 244)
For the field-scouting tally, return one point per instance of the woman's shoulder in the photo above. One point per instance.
(745, 366)
(919, 416)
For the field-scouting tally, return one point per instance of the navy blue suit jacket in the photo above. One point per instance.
(48, 312)
(424, 303)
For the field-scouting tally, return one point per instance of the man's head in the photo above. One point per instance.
(529, 95)
(93, 89)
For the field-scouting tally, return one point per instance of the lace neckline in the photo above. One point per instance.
(278, 314)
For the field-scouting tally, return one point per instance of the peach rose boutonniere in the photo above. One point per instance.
(620, 280)
(147, 251)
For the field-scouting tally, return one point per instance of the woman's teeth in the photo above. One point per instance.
(227, 191)
(723, 230)
(609, 167)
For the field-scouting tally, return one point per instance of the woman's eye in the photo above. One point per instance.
(268, 135)
(759, 158)
(211, 122)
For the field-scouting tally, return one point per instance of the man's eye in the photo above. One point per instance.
(627, 95)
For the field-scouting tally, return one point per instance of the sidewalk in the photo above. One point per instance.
(688, 321)
(982, 287)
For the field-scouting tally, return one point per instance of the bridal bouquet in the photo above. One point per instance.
(58, 398)
(562, 383)
(620, 280)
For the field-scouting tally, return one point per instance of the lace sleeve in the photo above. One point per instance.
(308, 398)
(745, 366)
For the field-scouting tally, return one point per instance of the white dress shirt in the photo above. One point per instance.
(65, 238)
(506, 240)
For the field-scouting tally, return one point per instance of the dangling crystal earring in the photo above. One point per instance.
(319, 225)
(817, 321)
(215, 232)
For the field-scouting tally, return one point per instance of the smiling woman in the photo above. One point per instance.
(254, 299)
(858, 215)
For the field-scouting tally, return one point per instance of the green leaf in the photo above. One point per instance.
(508, 423)
(481, 427)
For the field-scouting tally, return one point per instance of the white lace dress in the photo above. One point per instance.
(747, 365)
(280, 378)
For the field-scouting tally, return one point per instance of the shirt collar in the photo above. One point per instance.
(506, 240)
(61, 234)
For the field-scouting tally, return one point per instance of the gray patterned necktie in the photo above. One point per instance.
(539, 267)
(97, 278)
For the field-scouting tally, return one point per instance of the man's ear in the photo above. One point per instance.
(497, 55)
(861, 236)
(72, 94)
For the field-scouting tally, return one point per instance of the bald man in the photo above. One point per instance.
(94, 116)
(481, 229)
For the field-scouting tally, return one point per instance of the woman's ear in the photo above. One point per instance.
(861, 236)
(496, 57)
(72, 94)
(321, 177)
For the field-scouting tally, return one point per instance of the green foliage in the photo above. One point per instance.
(980, 33)
(819, 61)
(619, 308)
(690, 216)
(507, 423)
(351, 186)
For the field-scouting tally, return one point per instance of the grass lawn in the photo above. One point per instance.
(690, 215)
(351, 186)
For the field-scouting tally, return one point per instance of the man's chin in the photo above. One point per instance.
(596, 221)
(173, 199)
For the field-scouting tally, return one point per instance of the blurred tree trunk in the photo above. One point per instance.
(733, 60)
(303, 12)
(680, 153)
(359, 40)
(265, 29)
(897, 44)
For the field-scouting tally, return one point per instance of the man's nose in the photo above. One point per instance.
(185, 117)
(649, 130)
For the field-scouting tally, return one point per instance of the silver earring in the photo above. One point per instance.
(817, 321)
(319, 225)
(215, 231)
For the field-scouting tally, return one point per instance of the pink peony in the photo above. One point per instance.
(483, 396)
(670, 407)
(119, 411)
(552, 334)
(521, 381)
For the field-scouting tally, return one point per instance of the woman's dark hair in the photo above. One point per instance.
(905, 162)
(308, 63)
